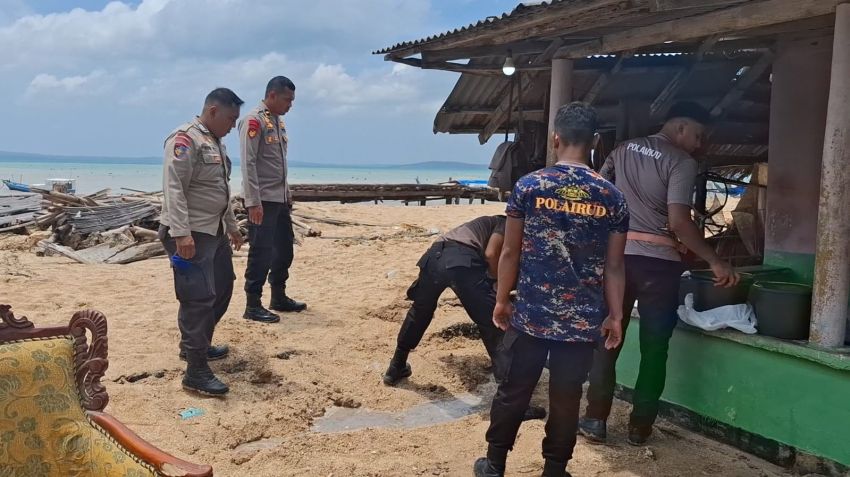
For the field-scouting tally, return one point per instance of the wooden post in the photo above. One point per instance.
(832, 270)
(560, 93)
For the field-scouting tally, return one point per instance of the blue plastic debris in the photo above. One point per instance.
(190, 413)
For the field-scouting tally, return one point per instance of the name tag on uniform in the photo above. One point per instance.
(211, 158)
(210, 155)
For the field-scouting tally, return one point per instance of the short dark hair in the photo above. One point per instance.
(576, 123)
(223, 97)
(278, 84)
(690, 110)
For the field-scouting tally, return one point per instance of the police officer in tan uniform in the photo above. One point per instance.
(198, 228)
(263, 141)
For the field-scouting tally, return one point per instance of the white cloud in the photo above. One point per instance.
(83, 85)
(342, 92)
(148, 66)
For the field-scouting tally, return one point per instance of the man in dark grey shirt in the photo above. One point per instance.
(464, 259)
(657, 176)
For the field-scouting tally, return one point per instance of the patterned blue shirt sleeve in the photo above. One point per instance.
(620, 216)
(516, 207)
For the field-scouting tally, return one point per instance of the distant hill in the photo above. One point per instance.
(6, 156)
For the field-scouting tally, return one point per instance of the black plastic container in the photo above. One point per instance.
(783, 310)
(707, 296)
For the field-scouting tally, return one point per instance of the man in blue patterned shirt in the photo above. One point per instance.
(564, 243)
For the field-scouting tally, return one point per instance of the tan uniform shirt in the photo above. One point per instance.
(263, 141)
(195, 176)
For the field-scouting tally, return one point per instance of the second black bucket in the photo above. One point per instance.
(782, 309)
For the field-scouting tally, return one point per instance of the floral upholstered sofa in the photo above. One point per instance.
(52, 422)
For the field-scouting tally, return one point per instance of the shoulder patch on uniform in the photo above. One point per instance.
(253, 128)
(182, 143)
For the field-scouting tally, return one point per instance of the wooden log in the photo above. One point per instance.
(137, 253)
(142, 233)
(308, 231)
(331, 221)
(17, 226)
(64, 251)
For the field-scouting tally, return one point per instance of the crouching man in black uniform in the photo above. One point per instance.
(465, 259)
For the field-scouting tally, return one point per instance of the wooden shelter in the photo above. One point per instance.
(775, 75)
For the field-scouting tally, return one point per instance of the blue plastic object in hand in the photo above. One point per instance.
(180, 263)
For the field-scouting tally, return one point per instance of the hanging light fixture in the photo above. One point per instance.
(509, 68)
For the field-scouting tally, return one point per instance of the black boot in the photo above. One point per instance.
(200, 378)
(213, 352)
(595, 430)
(552, 468)
(254, 311)
(281, 302)
(398, 369)
(483, 468)
(639, 434)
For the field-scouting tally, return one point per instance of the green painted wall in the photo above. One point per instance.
(802, 264)
(794, 400)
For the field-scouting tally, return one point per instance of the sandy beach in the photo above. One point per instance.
(326, 361)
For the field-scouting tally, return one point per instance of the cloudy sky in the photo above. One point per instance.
(92, 77)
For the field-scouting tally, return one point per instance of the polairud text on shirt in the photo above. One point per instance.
(578, 208)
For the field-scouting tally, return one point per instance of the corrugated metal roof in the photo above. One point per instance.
(578, 18)
(522, 10)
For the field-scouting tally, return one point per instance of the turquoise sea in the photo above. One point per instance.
(146, 175)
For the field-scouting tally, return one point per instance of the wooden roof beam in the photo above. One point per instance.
(668, 94)
(516, 48)
(461, 68)
(744, 17)
(604, 79)
(486, 110)
(526, 82)
(671, 5)
(743, 83)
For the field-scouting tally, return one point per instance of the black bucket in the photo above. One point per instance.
(707, 296)
(783, 310)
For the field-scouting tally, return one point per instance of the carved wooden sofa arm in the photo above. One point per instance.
(165, 463)
(90, 364)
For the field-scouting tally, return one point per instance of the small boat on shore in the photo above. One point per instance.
(17, 186)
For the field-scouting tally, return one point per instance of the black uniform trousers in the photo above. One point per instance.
(654, 284)
(272, 249)
(448, 264)
(203, 284)
(525, 357)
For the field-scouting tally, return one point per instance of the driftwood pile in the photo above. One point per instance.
(96, 228)
(101, 227)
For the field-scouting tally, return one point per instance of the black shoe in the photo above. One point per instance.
(396, 373)
(214, 352)
(638, 435)
(286, 304)
(260, 314)
(483, 468)
(552, 468)
(595, 430)
(534, 412)
(200, 378)
(254, 311)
